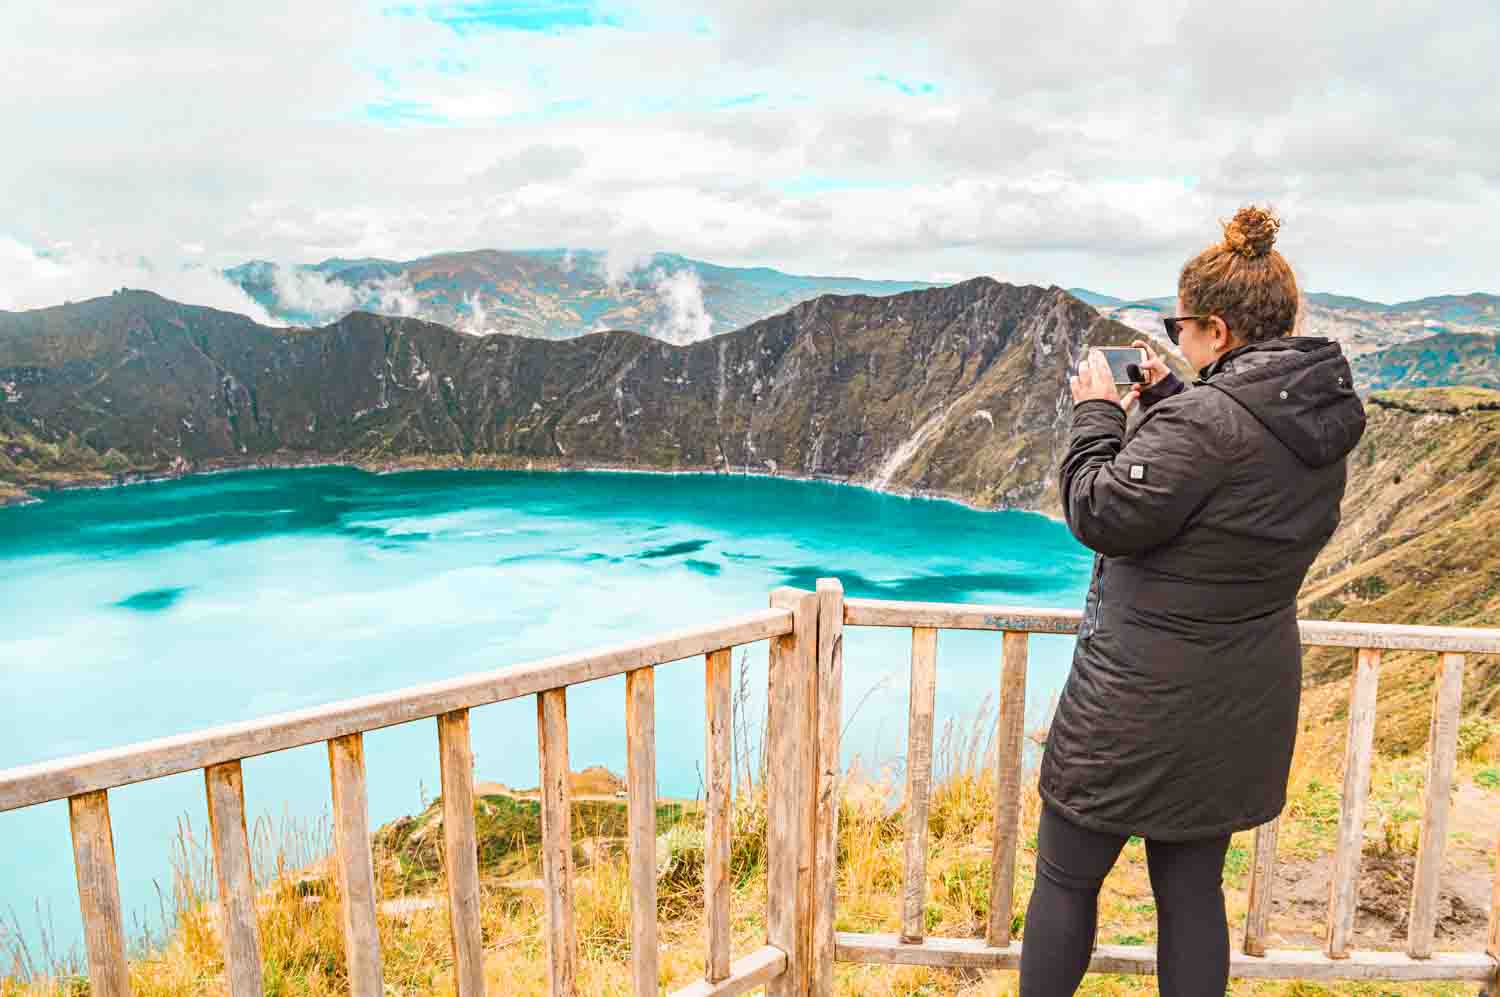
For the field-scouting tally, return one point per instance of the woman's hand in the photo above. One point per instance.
(1154, 369)
(1094, 380)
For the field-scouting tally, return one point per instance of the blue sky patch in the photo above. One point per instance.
(813, 183)
(403, 112)
(749, 98)
(541, 15)
(910, 89)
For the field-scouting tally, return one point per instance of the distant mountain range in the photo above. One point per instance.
(1436, 361)
(1361, 326)
(544, 293)
(1431, 342)
(958, 390)
(560, 294)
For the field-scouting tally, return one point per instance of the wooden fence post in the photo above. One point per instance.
(640, 762)
(1011, 723)
(240, 937)
(830, 716)
(718, 750)
(557, 841)
(354, 865)
(1442, 754)
(1262, 878)
(460, 851)
(791, 811)
(1343, 886)
(99, 893)
(918, 781)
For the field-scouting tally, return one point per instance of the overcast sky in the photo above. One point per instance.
(1071, 142)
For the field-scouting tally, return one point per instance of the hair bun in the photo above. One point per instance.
(1251, 232)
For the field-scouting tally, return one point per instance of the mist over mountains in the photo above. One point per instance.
(544, 293)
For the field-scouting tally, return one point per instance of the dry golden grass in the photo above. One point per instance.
(302, 947)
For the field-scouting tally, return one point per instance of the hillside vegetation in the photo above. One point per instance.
(1446, 359)
(1419, 543)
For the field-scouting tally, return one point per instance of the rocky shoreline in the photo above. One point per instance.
(33, 492)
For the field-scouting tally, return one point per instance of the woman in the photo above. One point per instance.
(1178, 718)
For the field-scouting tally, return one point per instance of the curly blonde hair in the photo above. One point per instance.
(1243, 280)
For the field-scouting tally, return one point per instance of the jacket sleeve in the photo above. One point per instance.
(1124, 498)
(1165, 388)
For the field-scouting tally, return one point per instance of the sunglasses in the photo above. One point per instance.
(1174, 324)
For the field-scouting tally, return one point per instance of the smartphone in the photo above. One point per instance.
(1125, 363)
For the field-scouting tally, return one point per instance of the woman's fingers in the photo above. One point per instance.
(1100, 366)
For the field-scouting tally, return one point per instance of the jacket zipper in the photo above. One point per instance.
(1097, 585)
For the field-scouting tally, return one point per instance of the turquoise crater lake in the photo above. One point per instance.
(133, 613)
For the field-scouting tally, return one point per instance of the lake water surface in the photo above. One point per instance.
(134, 613)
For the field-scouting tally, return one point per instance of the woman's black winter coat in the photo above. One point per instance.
(1179, 716)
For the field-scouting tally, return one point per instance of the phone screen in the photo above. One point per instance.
(1121, 357)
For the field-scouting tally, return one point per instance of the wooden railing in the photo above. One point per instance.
(1337, 960)
(790, 625)
(804, 695)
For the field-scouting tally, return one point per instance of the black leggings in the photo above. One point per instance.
(1186, 877)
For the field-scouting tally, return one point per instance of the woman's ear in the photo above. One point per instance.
(1223, 338)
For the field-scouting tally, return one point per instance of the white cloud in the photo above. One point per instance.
(29, 279)
(392, 295)
(1074, 143)
(311, 291)
(682, 292)
(477, 323)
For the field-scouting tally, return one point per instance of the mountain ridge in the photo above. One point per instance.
(924, 391)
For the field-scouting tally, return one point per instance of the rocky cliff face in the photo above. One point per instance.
(960, 391)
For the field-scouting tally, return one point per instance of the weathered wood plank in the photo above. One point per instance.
(958, 616)
(1302, 964)
(717, 818)
(1262, 877)
(1323, 633)
(754, 970)
(640, 766)
(1011, 724)
(791, 707)
(1493, 947)
(918, 781)
(1442, 755)
(238, 932)
(557, 840)
(1359, 749)
(830, 717)
(26, 785)
(99, 894)
(354, 866)
(461, 851)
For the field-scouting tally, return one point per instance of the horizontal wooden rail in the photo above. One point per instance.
(958, 616)
(760, 967)
(27, 785)
(1282, 964)
(1318, 633)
